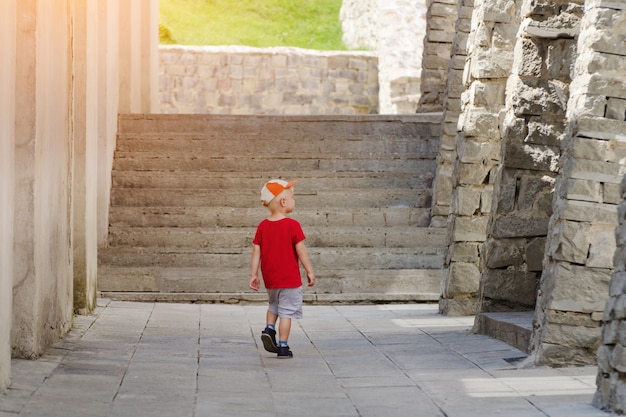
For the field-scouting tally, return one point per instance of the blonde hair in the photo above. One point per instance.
(275, 203)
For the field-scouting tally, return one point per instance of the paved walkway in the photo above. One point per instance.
(147, 359)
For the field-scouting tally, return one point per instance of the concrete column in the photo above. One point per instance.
(108, 105)
(138, 52)
(42, 287)
(85, 146)
(7, 138)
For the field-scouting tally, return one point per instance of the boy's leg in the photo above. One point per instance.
(271, 318)
(268, 335)
(284, 328)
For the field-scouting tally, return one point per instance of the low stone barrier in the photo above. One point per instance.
(245, 80)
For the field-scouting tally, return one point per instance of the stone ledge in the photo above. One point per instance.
(261, 297)
(514, 328)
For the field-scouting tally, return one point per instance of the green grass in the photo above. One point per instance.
(312, 24)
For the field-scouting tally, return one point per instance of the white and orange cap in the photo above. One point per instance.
(274, 187)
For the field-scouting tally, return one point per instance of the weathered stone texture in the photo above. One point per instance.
(488, 64)
(580, 246)
(243, 80)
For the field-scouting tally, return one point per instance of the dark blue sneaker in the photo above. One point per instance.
(284, 352)
(268, 337)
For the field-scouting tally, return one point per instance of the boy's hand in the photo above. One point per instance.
(255, 283)
(311, 278)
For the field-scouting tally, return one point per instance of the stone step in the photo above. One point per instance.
(136, 197)
(261, 297)
(218, 238)
(237, 144)
(514, 328)
(422, 125)
(362, 162)
(322, 258)
(185, 205)
(309, 182)
(250, 217)
(202, 280)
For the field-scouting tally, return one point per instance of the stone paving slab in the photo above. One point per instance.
(166, 359)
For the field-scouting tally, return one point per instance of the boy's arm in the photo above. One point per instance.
(303, 256)
(255, 283)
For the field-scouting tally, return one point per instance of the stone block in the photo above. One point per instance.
(528, 62)
(486, 199)
(503, 253)
(464, 278)
(491, 63)
(464, 252)
(516, 226)
(470, 229)
(531, 156)
(467, 201)
(602, 128)
(611, 193)
(509, 285)
(535, 194)
(618, 358)
(602, 247)
(559, 58)
(584, 211)
(586, 148)
(577, 189)
(543, 131)
(535, 249)
(600, 171)
(578, 337)
(570, 241)
(481, 123)
(473, 174)
(616, 109)
(578, 288)
(496, 11)
(505, 192)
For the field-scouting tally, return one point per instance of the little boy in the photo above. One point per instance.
(277, 247)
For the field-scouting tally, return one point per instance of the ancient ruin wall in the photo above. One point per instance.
(443, 185)
(245, 80)
(394, 30)
(537, 93)
(441, 18)
(478, 144)
(581, 242)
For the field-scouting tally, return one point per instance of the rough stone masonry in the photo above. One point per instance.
(530, 162)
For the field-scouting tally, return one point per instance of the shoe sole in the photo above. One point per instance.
(286, 357)
(268, 343)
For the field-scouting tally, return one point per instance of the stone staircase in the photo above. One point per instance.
(185, 205)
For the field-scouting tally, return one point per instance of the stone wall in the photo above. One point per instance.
(581, 242)
(455, 87)
(530, 176)
(245, 80)
(611, 392)
(478, 155)
(441, 18)
(394, 30)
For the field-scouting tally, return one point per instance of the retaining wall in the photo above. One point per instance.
(278, 81)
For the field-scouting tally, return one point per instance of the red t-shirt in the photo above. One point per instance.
(279, 260)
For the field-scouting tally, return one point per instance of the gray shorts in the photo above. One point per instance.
(286, 302)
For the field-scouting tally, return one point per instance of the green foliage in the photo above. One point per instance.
(312, 24)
